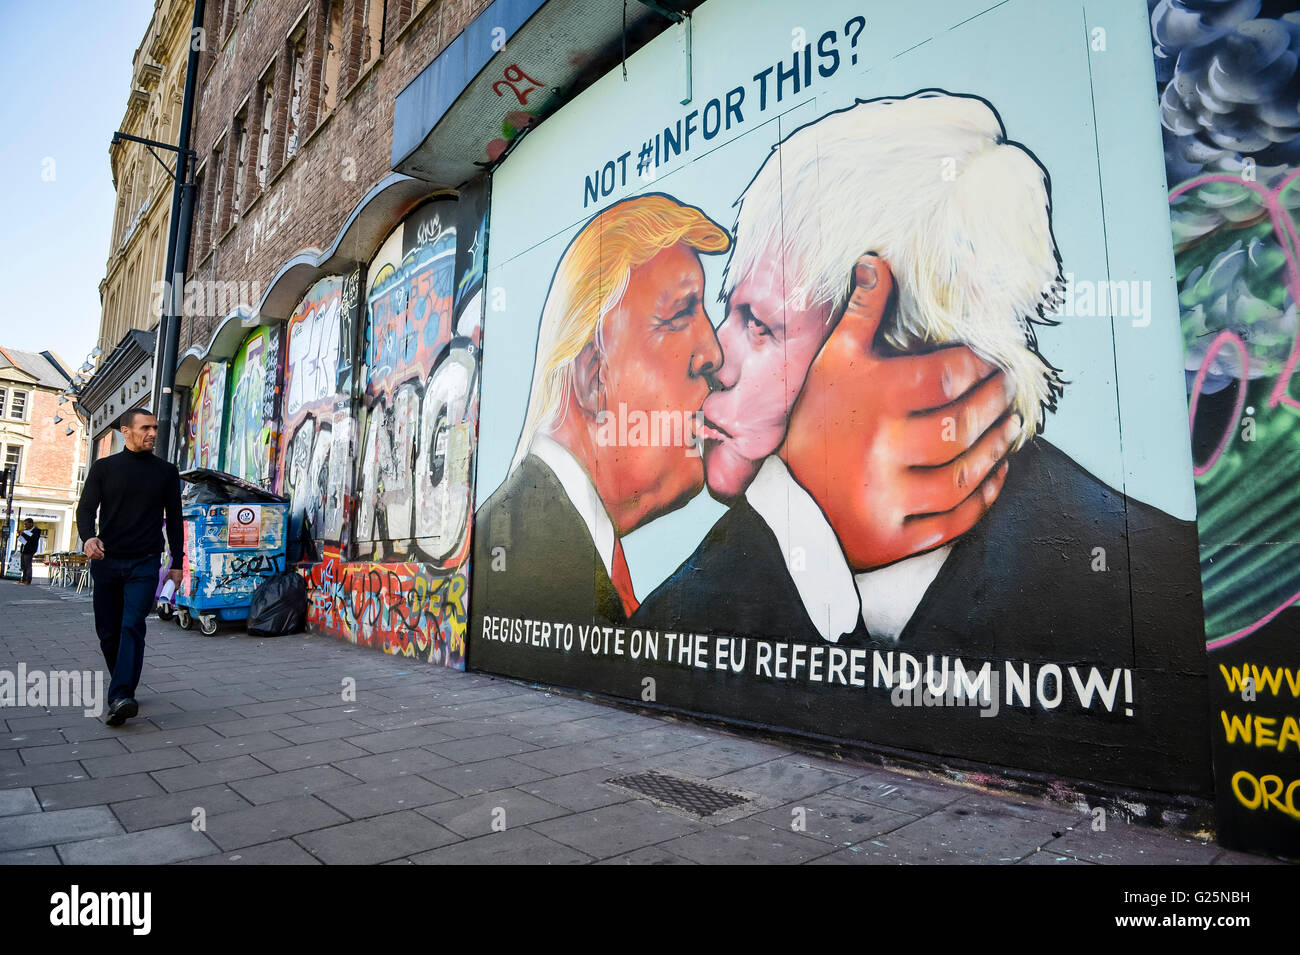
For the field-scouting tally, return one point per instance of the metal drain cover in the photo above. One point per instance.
(680, 793)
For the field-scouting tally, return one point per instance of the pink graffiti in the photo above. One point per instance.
(1279, 394)
(1224, 338)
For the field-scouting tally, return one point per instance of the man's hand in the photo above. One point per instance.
(903, 454)
(174, 575)
(94, 549)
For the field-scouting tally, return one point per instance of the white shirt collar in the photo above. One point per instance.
(809, 547)
(831, 594)
(891, 594)
(581, 493)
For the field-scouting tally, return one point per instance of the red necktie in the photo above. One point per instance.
(622, 580)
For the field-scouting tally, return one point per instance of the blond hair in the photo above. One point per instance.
(962, 217)
(589, 283)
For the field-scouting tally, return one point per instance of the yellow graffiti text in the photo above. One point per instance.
(1262, 730)
(1263, 679)
(1267, 792)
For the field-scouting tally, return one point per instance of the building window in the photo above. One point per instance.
(13, 461)
(241, 165)
(266, 99)
(201, 205)
(218, 191)
(229, 18)
(297, 91)
(18, 405)
(3, 395)
(373, 44)
(333, 45)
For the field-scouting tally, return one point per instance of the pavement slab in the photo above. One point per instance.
(155, 811)
(617, 829)
(283, 852)
(746, 842)
(486, 813)
(379, 839)
(270, 787)
(14, 802)
(97, 792)
(28, 830)
(512, 847)
(388, 795)
(147, 847)
(270, 822)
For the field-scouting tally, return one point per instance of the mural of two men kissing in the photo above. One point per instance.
(870, 407)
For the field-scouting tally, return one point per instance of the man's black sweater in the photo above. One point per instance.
(131, 490)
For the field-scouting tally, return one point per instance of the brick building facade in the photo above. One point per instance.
(138, 244)
(48, 461)
(295, 110)
(131, 291)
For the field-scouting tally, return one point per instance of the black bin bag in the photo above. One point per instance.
(279, 607)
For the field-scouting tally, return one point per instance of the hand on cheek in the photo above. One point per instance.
(903, 454)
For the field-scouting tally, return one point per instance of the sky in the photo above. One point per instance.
(66, 71)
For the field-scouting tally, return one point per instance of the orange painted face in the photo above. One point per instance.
(768, 342)
(659, 346)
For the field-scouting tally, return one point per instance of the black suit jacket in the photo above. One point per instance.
(534, 557)
(1026, 583)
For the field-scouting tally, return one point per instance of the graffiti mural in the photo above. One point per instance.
(318, 412)
(377, 454)
(398, 608)
(251, 436)
(420, 391)
(864, 315)
(203, 424)
(1227, 80)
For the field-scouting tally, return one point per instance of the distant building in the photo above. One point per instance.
(131, 292)
(122, 382)
(42, 441)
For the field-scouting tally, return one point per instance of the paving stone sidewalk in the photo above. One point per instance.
(253, 738)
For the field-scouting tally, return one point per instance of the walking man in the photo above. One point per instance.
(130, 490)
(30, 536)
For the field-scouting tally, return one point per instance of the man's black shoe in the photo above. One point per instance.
(120, 711)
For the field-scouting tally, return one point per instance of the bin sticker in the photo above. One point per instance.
(245, 525)
(187, 579)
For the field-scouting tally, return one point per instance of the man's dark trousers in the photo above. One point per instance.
(25, 561)
(124, 595)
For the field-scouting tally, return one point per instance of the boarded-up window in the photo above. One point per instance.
(201, 206)
(297, 91)
(333, 51)
(373, 43)
(267, 98)
(218, 191)
(241, 164)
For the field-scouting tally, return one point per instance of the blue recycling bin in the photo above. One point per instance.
(231, 547)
